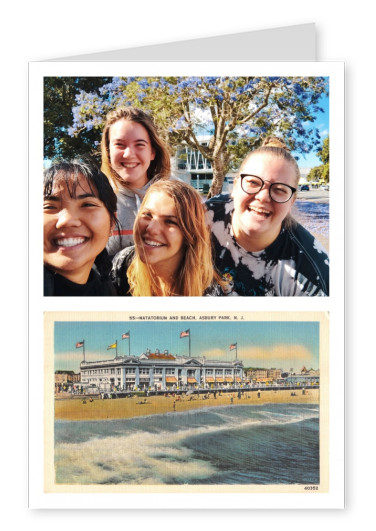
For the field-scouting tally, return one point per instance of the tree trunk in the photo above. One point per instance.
(220, 167)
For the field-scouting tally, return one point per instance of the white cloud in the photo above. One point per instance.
(71, 360)
(215, 353)
(283, 354)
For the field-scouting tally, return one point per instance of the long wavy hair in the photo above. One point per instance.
(159, 168)
(196, 272)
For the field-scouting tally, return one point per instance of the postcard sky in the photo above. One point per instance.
(283, 345)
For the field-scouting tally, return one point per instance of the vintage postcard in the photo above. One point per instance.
(186, 402)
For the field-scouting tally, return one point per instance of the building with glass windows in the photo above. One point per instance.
(161, 371)
(189, 165)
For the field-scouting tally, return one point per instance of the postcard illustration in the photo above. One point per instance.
(183, 401)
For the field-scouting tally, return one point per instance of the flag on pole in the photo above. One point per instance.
(184, 334)
(79, 344)
(125, 336)
(111, 346)
(233, 346)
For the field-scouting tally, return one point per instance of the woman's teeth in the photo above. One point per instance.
(153, 244)
(69, 242)
(260, 211)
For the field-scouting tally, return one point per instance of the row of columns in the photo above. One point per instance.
(183, 375)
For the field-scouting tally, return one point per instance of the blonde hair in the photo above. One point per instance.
(159, 168)
(276, 148)
(196, 272)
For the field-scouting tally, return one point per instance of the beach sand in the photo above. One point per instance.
(75, 409)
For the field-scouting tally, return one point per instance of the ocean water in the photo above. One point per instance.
(250, 444)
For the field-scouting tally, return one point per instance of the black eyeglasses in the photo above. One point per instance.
(278, 192)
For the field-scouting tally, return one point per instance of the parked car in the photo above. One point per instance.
(304, 188)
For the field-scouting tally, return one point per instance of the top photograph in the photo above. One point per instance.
(186, 186)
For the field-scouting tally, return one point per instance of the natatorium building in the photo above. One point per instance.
(160, 371)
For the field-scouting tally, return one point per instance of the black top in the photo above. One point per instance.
(59, 286)
(295, 264)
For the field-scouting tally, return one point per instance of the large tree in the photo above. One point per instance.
(237, 112)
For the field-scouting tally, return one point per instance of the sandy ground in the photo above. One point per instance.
(75, 409)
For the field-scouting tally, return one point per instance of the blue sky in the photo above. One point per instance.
(311, 160)
(321, 122)
(277, 344)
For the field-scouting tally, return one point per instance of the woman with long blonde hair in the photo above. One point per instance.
(172, 253)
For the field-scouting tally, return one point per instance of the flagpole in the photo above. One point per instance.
(127, 335)
(186, 333)
(232, 347)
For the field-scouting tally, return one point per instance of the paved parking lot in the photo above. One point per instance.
(317, 196)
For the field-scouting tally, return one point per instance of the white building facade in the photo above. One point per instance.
(158, 371)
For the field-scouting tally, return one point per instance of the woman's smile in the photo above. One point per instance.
(257, 219)
(76, 230)
(160, 242)
(152, 243)
(259, 212)
(131, 152)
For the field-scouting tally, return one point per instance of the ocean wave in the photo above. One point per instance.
(141, 458)
(163, 449)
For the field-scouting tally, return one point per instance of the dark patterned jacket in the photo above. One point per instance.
(295, 264)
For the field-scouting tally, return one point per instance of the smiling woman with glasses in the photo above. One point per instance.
(260, 249)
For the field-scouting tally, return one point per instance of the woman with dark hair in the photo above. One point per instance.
(133, 157)
(172, 253)
(79, 209)
(260, 249)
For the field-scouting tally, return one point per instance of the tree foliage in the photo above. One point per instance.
(321, 173)
(59, 98)
(237, 112)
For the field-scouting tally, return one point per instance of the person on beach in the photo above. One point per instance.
(172, 253)
(79, 213)
(133, 157)
(260, 250)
